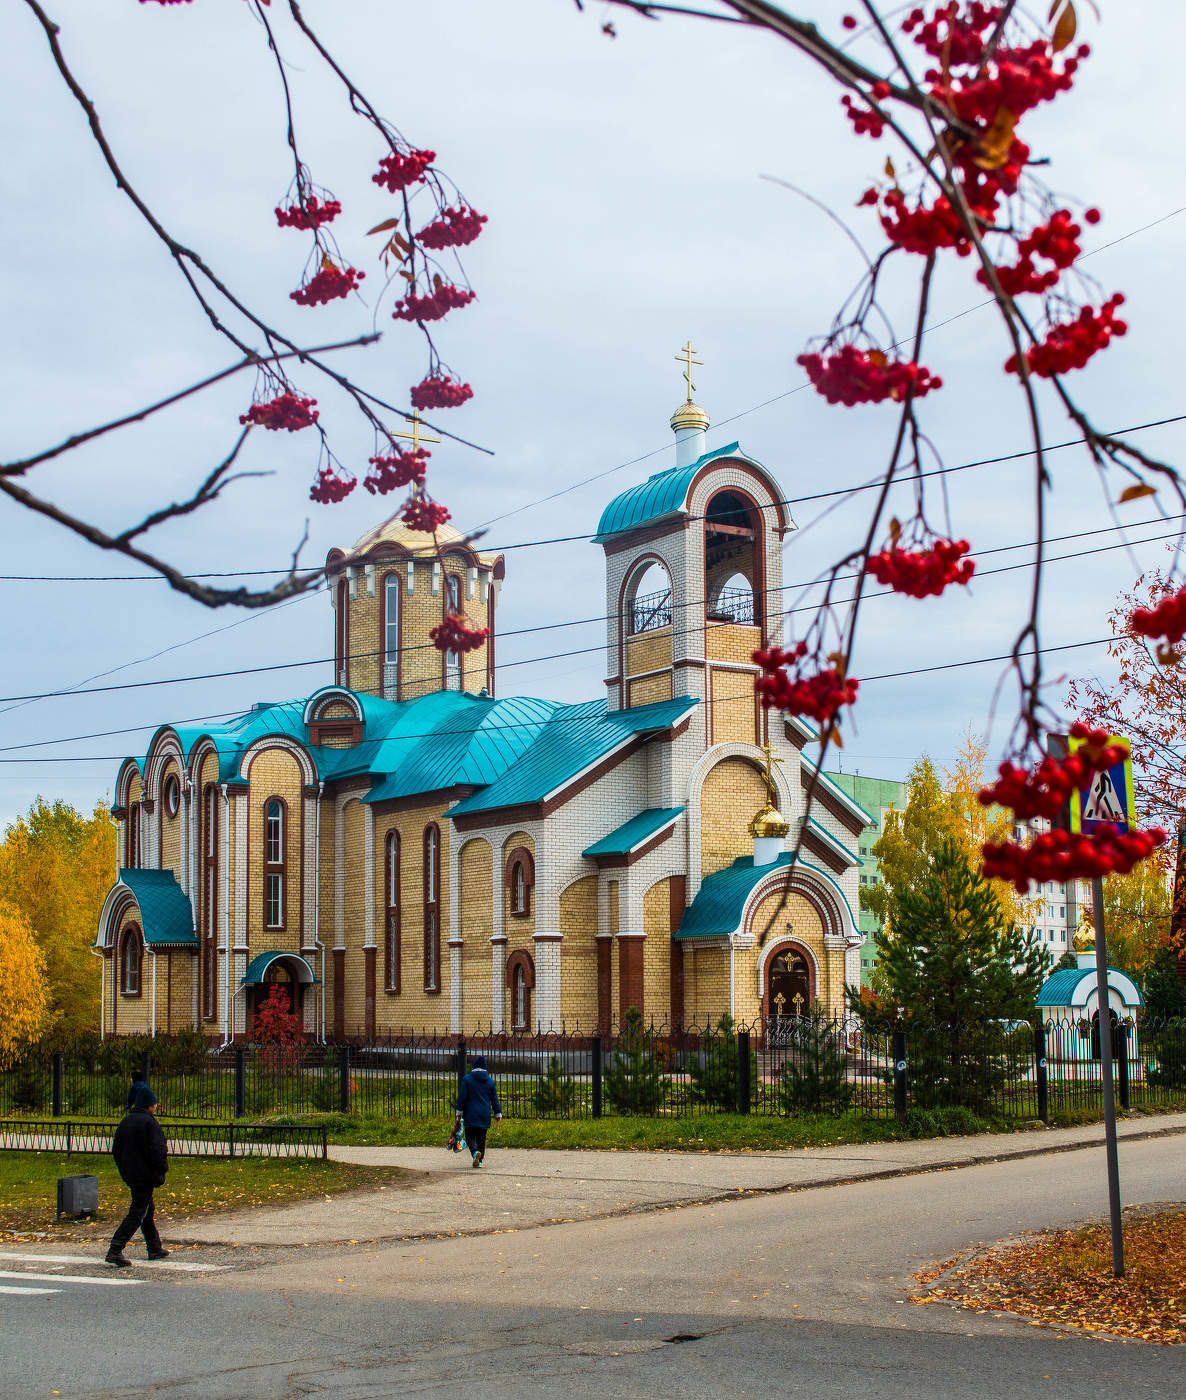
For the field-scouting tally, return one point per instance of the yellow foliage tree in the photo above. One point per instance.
(56, 867)
(24, 1001)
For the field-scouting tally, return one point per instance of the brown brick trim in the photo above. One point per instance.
(855, 824)
(339, 994)
(619, 860)
(630, 975)
(322, 729)
(645, 534)
(821, 849)
(368, 955)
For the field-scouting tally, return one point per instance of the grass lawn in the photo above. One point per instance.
(195, 1186)
(1064, 1277)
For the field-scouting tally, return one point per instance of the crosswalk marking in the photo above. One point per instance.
(6, 1255)
(42, 1291)
(71, 1278)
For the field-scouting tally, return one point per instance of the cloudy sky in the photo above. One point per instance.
(628, 208)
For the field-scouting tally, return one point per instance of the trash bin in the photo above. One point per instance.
(78, 1195)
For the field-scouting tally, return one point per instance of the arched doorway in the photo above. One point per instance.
(290, 974)
(1117, 1039)
(789, 992)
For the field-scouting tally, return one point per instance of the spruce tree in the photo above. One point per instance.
(634, 1081)
(714, 1079)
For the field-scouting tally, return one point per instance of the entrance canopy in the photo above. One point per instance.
(258, 966)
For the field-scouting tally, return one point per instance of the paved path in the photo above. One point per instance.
(518, 1188)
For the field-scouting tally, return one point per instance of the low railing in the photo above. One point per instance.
(183, 1139)
(732, 605)
(651, 611)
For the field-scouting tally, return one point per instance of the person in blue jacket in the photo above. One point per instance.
(477, 1101)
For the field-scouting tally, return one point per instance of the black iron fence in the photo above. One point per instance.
(787, 1065)
(184, 1139)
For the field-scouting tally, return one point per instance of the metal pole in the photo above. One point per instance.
(1043, 1074)
(1105, 1025)
(595, 1047)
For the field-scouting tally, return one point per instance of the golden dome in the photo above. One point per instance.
(689, 415)
(769, 822)
(1083, 941)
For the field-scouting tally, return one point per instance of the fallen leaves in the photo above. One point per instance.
(1064, 1278)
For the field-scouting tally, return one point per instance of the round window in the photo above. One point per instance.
(172, 795)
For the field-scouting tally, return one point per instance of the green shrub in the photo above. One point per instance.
(634, 1081)
(714, 1078)
(815, 1076)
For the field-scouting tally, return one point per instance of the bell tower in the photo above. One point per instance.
(387, 595)
(694, 578)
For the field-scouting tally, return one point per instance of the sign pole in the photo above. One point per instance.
(1105, 1025)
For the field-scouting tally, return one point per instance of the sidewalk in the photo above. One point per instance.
(520, 1187)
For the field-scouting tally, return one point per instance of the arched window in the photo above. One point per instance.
(733, 601)
(342, 638)
(391, 919)
(432, 909)
(171, 794)
(648, 599)
(521, 980)
(275, 843)
(453, 606)
(520, 879)
(208, 897)
(129, 962)
(133, 842)
(733, 534)
(391, 584)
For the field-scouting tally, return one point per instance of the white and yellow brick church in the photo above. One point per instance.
(405, 852)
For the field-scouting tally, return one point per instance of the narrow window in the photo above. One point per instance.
(275, 840)
(432, 910)
(172, 795)
(130, 981)
(391, 904)
(209, 896)
(453, 606)
(133, 852)
(391, 637)
(520, 999)
(342, 638)
(518, 889)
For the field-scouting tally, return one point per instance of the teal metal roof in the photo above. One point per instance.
(1060, 987)
(573, 739)
(623, 839)
(720, 902)
(660, 495)
(166, 917)
(259, 965)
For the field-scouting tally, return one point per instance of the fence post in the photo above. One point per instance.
(900, 1073)
(57, 1089)
(344, 1079)
(1043, 1074)
(595, 1048)
(459, 1065)
(324, 1143)
(743, 1067)
(68, 1137)
(1122, 1065)
(145, 1065)
(232, 1139)
(240, 1081)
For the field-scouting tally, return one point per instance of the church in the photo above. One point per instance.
(405, 852)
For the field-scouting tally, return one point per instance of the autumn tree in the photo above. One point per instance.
(24, 994)
(1136, 916)
(56, 867)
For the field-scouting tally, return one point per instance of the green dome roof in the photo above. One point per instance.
(659, 496)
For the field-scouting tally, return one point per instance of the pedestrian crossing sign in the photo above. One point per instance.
(1108, 798)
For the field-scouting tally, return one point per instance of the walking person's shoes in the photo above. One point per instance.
(118, 1258)
(477, 1160)
(159, 1253)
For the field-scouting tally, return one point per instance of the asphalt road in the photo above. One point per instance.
(790, 1294)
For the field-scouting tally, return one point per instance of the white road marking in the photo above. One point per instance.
(5, 1255)
(70, 1278)
(42, 1291)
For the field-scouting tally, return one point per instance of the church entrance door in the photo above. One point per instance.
(788, 986)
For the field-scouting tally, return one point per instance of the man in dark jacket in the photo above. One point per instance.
(476, 1101)
(143, 1159)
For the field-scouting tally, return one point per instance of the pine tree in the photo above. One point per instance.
(634, 1081)
(815, 1076)
(554, 1091)
(714, 1078)
(956, 971)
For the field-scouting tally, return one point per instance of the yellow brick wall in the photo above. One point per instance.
(171, 826)
(774, 915)
(520, 931)
(649, 690)
(354, 914)
(421, 668)
(578, 953)
(181, 977)
(413, 1008)
(274, 773)
(656, 951)
(477, 925)
(732, 794)
(133, 1015)
(706, 984)
(649, 651)
(731, 641)
(336, 709)
(734, 715)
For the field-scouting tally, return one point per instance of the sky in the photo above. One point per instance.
(636, 191)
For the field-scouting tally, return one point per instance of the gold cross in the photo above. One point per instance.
(768, 775)
(686, 355)
(798, 1000)
(416, 435)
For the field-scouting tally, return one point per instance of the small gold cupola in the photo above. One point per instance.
(689, 422)
(769, 827)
